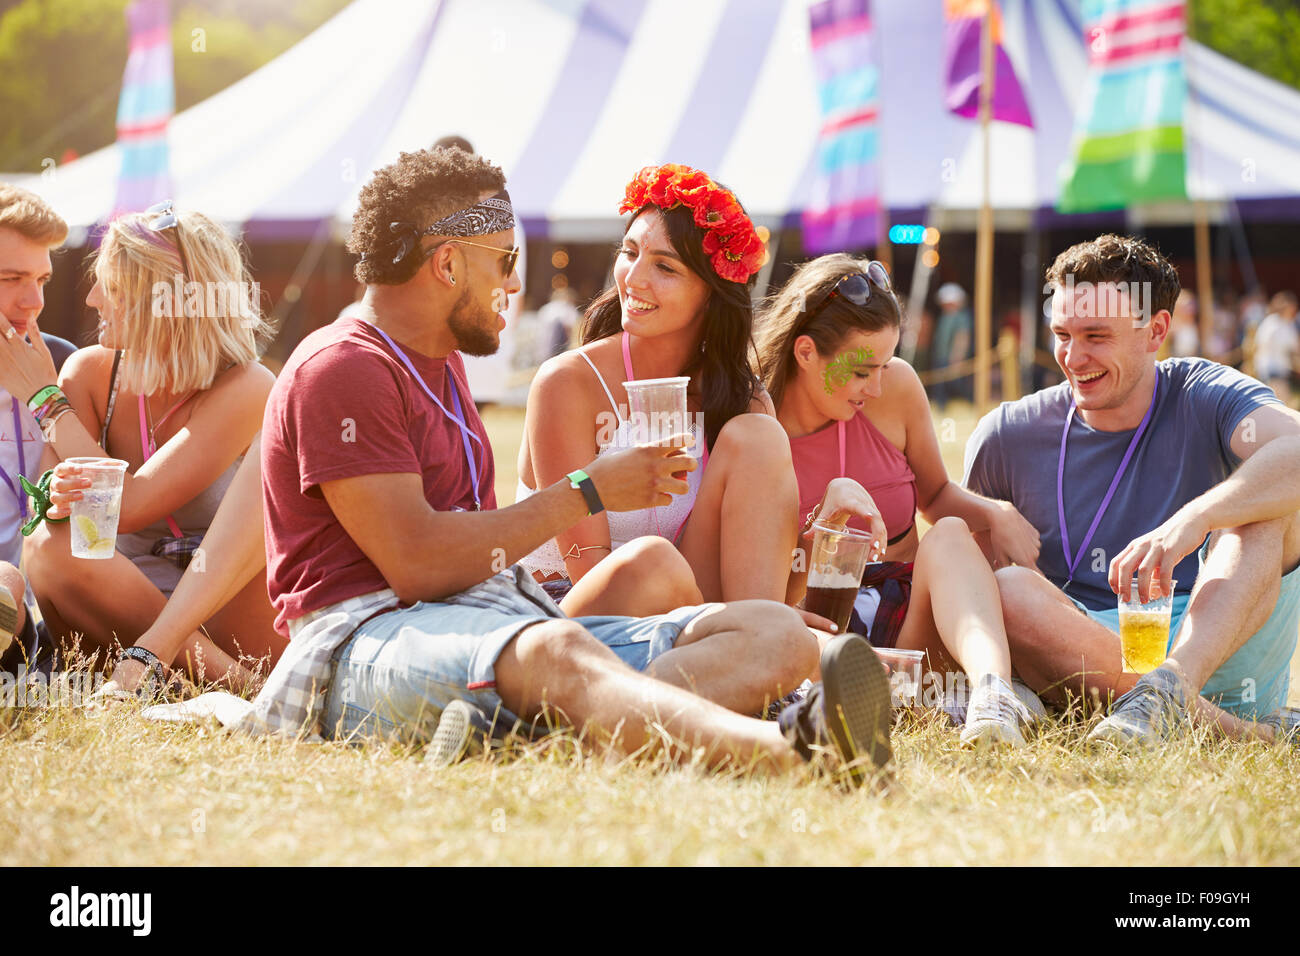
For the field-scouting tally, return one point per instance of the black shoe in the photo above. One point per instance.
(849, 709)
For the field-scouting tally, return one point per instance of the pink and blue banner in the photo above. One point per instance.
(1128, 144)
(145, 108)
(961, 56)
(844, 209)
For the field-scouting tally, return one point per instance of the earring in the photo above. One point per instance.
(453, 279)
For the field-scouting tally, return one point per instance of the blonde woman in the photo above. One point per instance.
(175, 389)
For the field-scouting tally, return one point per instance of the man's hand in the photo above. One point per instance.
(26, 365)
(1012, 539)
(642, 477)
(1155, 554)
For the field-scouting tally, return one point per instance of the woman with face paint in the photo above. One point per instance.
(865, 452)
(679, 306)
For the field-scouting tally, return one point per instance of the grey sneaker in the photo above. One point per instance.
(1033, 704)
(848, 710)
(995, 715)
(459, 734)
(1285, 722)
(1152, 711)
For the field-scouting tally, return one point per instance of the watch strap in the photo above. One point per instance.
(582, 481)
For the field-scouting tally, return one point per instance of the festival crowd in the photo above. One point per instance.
(326, 543)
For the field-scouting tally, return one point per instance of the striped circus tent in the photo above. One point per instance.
(571, 97)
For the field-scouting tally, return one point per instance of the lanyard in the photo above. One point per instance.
(457, 418)
(22, 463)
(1110, 492)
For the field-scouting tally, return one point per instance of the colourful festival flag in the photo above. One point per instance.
(843, 212)
(145, 108)
(961, 56)
(1128, 132)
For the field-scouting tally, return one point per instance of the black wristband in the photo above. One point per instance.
(582, 481)
(153, 666)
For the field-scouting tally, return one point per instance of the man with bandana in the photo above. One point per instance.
(393, 572)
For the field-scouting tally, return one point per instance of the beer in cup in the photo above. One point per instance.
(839, 556)
(1144, 628)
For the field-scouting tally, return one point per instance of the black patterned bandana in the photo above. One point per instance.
(493, 214)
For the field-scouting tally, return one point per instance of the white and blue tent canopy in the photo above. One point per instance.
(571, 97)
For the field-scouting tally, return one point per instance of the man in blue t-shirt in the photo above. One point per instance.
(1127, 469)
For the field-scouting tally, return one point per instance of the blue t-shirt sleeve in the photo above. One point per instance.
(985, 473)
(1225, 396)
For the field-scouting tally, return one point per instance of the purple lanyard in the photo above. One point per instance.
(458, 418)
(1110, 492)
(22, 463)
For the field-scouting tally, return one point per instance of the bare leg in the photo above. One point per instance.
(954, 613)
(106, 601)
(559, 665)
(644, 577)
(1235, 593)
(736, 556)
(1057, 649)
(11, 579)
(741, 655)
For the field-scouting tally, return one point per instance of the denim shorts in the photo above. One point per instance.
(395, 675)
(1256, 680)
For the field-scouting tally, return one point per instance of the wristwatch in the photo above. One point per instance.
(582, 481)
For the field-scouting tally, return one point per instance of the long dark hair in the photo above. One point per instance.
(784, 318)
(727, 384)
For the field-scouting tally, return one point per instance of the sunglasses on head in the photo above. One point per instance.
(162, 216)
(855, 287)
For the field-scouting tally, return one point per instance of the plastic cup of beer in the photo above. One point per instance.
(94, 516)
(839, 556)
(904, 669)
(1144, 628)
(657, 410)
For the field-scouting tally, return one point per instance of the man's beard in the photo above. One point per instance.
(472, 337)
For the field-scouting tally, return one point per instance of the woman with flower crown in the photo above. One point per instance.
(680, 306)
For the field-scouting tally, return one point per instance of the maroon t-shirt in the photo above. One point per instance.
(346, 406)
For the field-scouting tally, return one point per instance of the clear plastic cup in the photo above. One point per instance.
(94, 516)
(904, 669)
(839, 556)
(1144, 629)
(658, 410)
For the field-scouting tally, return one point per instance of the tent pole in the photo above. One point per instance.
(1204, 280)
(984, 236)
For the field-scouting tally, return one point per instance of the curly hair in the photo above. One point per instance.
(420, 187)
(723, 361)
(1119, 259)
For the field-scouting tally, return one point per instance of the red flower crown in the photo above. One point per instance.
(730, 241)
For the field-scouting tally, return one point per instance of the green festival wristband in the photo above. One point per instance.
(40, 398)
(582, 481)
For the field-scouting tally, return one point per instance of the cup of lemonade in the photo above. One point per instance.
(94, 515)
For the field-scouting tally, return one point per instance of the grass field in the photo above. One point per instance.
(111, 789)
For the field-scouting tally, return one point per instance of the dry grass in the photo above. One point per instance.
(112, 789)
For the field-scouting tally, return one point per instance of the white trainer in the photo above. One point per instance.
(995, 715)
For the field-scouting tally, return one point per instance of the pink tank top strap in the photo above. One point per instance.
(627, 358)
(844, 459)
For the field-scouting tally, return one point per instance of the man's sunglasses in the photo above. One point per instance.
(855, 288)
(512, 255)
(162, 216)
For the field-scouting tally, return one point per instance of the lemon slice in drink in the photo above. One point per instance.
(102, 546)
(86, 525)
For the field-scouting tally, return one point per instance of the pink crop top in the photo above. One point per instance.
(856, 449)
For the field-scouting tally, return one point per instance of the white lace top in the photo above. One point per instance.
(665, 521)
